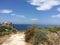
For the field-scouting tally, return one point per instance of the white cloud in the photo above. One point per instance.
(20, 16)
(58, 9)
(56, 16)
(6, 11)
(34, 19)
(44, 4)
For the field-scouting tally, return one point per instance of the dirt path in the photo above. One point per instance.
(15, 39)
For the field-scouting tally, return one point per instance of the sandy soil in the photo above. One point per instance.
(16, 39)
(3, 38)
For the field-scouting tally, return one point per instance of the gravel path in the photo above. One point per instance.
(15, 39)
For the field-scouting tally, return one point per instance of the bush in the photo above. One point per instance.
(29, 33)
(37, 35)
(6, 30)
(40, 36)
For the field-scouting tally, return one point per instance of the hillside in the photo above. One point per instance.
(43, 36)
(34, 35)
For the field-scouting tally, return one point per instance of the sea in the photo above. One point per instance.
(25, 26)
(20, 26)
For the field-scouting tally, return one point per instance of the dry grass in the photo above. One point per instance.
(3, 38)
(28, 43)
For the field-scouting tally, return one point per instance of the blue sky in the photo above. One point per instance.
(30, 11)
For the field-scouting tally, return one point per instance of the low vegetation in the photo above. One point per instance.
(6, 30)
(5, 33)
(38, 36)
(35, 35)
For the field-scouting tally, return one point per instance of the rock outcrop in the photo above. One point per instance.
(7, 24)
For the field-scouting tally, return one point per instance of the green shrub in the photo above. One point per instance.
(6, 30)
(37, 35)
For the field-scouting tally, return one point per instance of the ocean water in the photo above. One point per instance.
(21, 26)
(25, 26)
